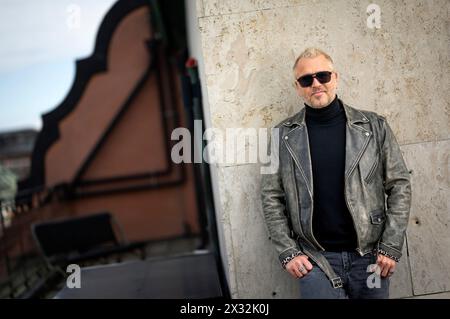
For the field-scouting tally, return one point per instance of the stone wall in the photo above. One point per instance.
(399, 70)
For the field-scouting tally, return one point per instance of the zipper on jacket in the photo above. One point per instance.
(312, 234)
(348, 206)
(299, 216)
(353, 219)
(296, 197)
(297, 203)
(374, 167)
(312, 197)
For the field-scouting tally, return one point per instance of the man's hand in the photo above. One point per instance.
(299, 266)
(387, 265)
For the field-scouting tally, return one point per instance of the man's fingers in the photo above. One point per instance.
(308, 265)
(385, 271)
(302, 269)
(386, 265)
(298, 274)
(299, 266)
(393, 268)
(382, 264)
(294, 271)
(379, 259)
(305, 262)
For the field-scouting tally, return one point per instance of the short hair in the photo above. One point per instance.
(312, 53)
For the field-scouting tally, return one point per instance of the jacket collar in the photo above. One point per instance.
(297, 142)
(353, 116)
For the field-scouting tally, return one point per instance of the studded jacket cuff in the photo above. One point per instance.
(385, 253)
(286, 260)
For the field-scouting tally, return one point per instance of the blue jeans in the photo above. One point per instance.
(354, 270)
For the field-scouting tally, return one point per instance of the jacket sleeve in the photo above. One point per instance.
(397, 187)
(274, 206)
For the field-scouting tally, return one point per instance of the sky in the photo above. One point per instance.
(39, 44)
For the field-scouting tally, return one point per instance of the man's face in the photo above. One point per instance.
(316, 95)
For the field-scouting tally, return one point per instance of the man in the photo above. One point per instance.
(325, 206)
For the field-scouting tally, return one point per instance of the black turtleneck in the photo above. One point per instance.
(332, 223)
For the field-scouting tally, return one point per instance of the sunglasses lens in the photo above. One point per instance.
(305, 81)
(323, 77)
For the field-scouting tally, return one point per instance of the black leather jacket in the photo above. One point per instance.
(374, 168)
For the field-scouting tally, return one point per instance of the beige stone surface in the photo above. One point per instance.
(257, 272)
(443, 295)
(391, 70)
(399, 71)
(198, 8)
(429, 227)
(221, 7)
(401, 281)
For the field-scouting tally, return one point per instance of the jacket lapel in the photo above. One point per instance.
(297, 143)
(356, 140)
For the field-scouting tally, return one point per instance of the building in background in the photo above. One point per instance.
(107, 146)
(16, 148)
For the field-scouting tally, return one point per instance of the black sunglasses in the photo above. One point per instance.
(307, 80)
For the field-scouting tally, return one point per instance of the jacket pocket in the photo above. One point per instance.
(372, 170)
(377, 217)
